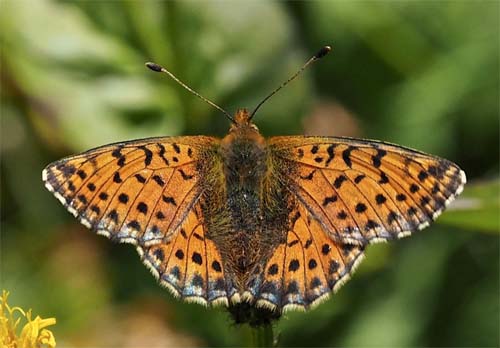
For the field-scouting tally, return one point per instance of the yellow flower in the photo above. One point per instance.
(33, 334)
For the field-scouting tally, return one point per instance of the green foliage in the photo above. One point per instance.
(421, 74)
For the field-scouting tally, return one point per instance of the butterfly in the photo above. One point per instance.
(251, 223)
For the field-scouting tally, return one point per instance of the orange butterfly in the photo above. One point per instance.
(248, 222)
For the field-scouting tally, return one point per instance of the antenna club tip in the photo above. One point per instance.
(154, 66)
(323, 52)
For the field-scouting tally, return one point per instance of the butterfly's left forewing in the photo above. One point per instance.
(366, 191)
(137, 192)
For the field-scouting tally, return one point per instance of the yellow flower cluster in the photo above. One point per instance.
(33, 334)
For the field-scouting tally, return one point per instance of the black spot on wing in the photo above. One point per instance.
(159, 254)
(331, 154)
(184, 175)
(113, 216)
(328, 200)
(82, 199)
(142, 207)
(176, 147)
(123, 198)
(325, 249)
(380, 198)
(273, 269)
(422, 175)
(384, 179)
(300, 153)
(158, 180)
(376, 159)
(161, 153)
(346, 156)
(342, 215)
(196, 258)
(116, 178)
(169, 200)
(134, 224)
(121, 161)
(140, 178)
(179, 254)
(294, 265)
(360, 208)
(95, 209)
(117, 152)
(216, 266)
(81, 174)
(339, 180)
(358, 178)
(148, 155)
(312, 264)
(401, 197)
(308, 176)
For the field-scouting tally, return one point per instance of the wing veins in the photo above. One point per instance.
(343, 202)
(390, 198)
(336, 231)
(98, 191)
(391, 163)
(133, 202)
(158, 200)
(84, 181)
(206, 260)
(394, 183)
(194, 201)
(303, 260)
(317, 250)
(371, 206)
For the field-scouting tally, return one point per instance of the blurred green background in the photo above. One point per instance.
(419, 73)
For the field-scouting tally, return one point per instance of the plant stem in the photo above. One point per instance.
(262, 336)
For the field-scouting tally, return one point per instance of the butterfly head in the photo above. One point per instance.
(242, 122)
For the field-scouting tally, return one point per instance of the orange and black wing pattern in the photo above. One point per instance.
(303, 271)
(190, 265)
(363, 191)
(136, 192)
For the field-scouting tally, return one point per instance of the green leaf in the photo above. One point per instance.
(476, 209)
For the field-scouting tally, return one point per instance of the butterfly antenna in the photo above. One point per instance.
(159, 68)
(320, 54)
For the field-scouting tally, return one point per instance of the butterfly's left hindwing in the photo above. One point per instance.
(136, 192)
(366, 191)
(190, 264)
